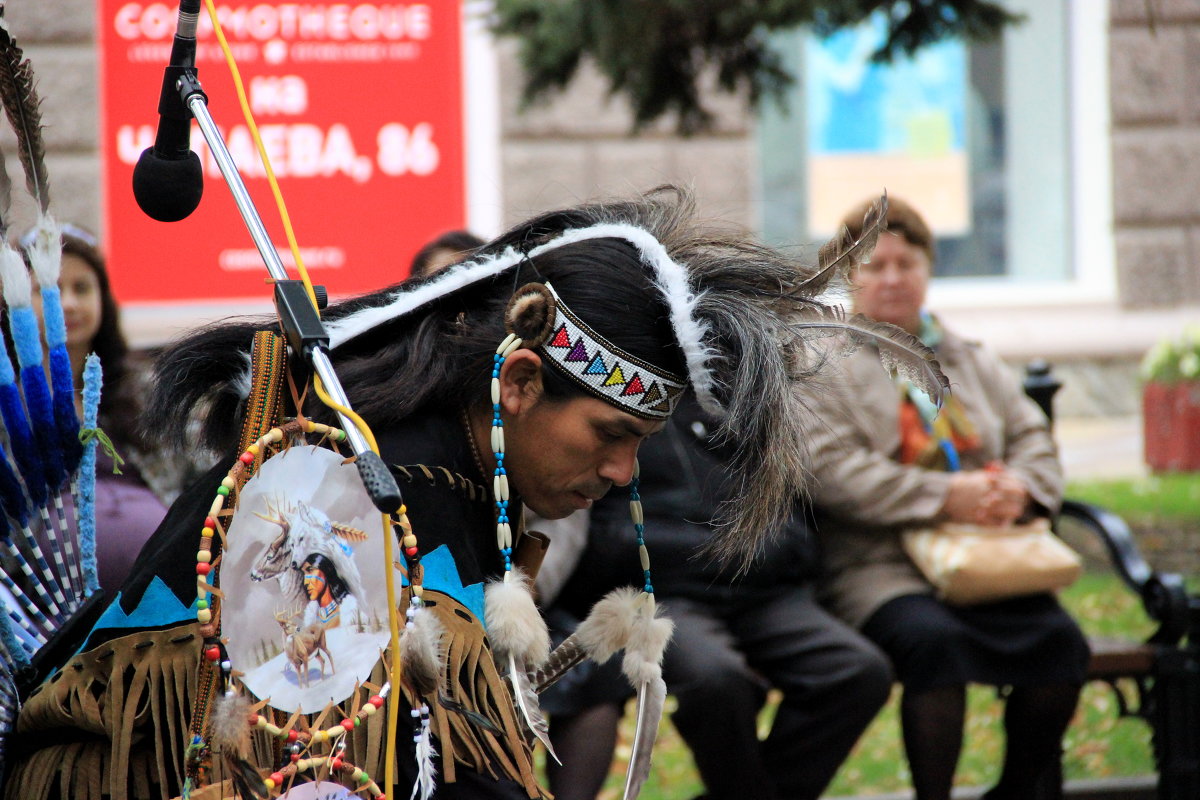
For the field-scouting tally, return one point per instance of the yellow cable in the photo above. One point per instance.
(262, 151)
(389, 556)
(351, 415)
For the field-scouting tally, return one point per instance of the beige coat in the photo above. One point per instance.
(867, 498)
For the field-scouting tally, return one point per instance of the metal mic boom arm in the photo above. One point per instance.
(301, 325)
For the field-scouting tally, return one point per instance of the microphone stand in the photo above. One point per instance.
(302, 326)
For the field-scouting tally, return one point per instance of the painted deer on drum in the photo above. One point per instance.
(301, 644)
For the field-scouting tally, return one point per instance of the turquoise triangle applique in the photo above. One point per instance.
(441, 575)
(159, 608)
(597, 367)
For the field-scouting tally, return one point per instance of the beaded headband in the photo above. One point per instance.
(667, 275)
(602, 368)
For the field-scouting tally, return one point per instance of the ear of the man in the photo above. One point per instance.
(520, 380)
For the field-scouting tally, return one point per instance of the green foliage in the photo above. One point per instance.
(655, 52)
(1170, 496)
(1173, 360)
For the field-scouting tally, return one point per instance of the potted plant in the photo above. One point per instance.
(1171, 404)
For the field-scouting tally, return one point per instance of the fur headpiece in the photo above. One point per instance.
(745, 317)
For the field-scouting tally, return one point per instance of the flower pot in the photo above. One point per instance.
(1171, 426)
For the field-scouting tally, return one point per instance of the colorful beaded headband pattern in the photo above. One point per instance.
(608, 372)
(669, 278)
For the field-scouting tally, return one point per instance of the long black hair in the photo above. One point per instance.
(738, 346)
(441, 354)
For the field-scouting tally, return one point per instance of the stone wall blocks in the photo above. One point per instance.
(1137, 12)
(1154, 268)
(1155, 172)
(1192, 266)
(74, 190)
(1147, 78)
(634, 165)
(52, 21)
(66, 83)
(1191, 72)
(539, 176)
(721, 170)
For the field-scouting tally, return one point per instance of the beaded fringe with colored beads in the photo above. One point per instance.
(518, 633)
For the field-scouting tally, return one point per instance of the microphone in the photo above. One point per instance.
(168, 180)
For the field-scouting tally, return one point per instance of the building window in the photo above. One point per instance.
(980, 137)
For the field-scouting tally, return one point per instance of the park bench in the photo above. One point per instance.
(1165, 669)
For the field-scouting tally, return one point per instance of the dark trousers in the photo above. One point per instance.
(729, 649)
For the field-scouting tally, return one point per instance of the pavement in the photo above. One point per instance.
(1099, 448)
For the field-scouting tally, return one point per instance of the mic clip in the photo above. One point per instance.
(187, 86)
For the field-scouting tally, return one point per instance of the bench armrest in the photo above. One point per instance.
(1163, 595)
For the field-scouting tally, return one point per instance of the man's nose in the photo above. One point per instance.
(618, 466)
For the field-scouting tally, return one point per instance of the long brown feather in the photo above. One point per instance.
(842, 253)
(23, 107)
(5, 198)
(561, 660)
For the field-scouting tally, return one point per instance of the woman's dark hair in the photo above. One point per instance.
(337, 586)
(109, 342)
(120, 400)
(459, 243)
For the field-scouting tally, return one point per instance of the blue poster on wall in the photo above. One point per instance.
(899, 125)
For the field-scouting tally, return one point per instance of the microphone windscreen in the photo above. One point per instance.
(168, 189)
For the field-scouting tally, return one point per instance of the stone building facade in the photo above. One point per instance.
(1156, 150)
(579, 146)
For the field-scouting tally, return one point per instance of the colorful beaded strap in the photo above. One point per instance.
(216, 666)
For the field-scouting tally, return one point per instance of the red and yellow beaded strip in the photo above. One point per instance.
(336, 763)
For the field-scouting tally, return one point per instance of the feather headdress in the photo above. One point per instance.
(47, 557)
(731, 304)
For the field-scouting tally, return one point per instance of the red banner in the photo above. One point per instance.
(359, 106)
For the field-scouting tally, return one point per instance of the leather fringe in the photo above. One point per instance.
(155, 690)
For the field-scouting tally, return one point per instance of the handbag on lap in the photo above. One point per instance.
(970, 564)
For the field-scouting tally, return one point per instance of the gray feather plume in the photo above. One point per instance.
(900, 353)
(527, 703)
(23, 107)
(651, 697)
(843, 253)
(5, 196)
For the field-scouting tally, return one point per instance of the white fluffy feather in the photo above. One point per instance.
(647, 641)
(240, 380)
(14, 276)
(608, 625)
(45, 254)
(229, 729)
(627, 619)
(421, 651)
(514, 625)
(426, 769)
